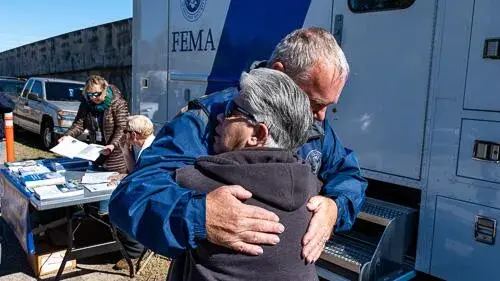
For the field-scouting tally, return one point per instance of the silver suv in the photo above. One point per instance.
(47, 107)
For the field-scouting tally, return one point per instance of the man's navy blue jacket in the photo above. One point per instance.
(168, 218)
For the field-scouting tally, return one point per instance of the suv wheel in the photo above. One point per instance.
(47, 135)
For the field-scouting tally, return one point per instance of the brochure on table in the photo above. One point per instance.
(55, 192)
(98, 183)
(47, 185)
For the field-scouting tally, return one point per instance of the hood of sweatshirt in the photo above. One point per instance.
(274, 176)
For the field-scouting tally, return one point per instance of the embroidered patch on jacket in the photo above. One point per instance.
(314, 159)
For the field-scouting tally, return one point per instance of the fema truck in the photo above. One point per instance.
(421, 109)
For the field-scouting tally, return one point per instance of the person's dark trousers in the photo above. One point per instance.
(133, 248)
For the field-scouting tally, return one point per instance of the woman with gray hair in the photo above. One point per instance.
(258, 136)
(139, 135)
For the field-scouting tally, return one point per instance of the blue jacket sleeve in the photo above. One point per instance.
(342, 180)
(149, 205)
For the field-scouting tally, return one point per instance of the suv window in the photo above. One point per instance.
(59, 91)
(37, 88)
(11, 86)
(365, 6)
(27, 89)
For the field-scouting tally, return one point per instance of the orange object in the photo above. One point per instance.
(9, 136)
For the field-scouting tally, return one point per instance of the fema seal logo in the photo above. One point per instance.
(314, 159)
(192, 9)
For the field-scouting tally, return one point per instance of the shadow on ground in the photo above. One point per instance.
(28, 138)
(14, 263)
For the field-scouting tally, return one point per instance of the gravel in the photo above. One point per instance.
(14, 265)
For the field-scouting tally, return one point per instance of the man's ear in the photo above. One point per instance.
(259, 136)
(278, 66)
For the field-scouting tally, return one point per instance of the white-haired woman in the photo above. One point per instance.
(138, 135)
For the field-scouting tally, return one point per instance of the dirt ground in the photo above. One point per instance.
(15, 267)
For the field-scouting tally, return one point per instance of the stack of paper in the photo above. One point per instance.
(34, 169)
(15, 166)
(43, 179)
(54, 192)
(71, 147)
(97, 177)
(100, 188)
(98, 183)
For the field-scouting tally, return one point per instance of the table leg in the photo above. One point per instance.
(69, 243)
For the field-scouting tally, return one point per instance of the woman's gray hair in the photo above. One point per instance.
(275, 100)
(304, 48)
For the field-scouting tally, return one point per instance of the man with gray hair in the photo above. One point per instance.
(258, 135)
(150, 198)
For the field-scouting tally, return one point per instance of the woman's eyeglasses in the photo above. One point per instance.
(93, 95)
(233, 109)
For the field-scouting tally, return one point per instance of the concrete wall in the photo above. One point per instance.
(104, 50)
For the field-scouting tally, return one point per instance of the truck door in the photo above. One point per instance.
(35, 106)
(150, 59)
(21, 110)
(174, 49)
(382, 111)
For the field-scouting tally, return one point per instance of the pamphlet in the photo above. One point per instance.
(71, 147)
(97, 177)
(52, 192)
(15, 166)
(31, 170)
(100, 188)
(43, 179)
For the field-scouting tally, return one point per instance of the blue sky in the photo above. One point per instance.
(26, 21)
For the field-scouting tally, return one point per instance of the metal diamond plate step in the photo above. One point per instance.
(347, 253)
(381, 212)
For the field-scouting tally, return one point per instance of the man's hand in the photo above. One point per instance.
(323, 220)
(238, 226)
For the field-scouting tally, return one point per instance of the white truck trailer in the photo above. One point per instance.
(421, 109)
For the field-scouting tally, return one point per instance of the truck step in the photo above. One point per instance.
(409, 263)
(381, 212)
(347, 253)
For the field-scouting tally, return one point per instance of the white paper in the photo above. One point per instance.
(15, 166)
(100, 187)
(49, 192)
(91, 152)
(71, 147)
(43, 179)
(97, 177)
(31, 170)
